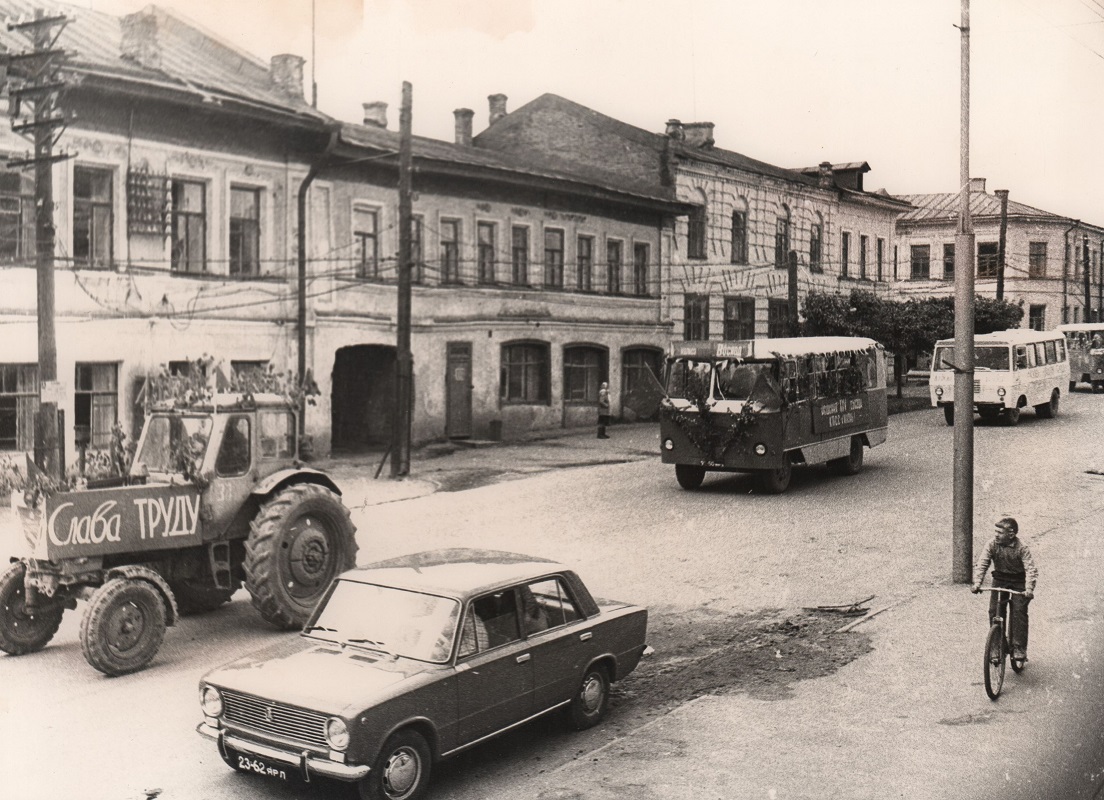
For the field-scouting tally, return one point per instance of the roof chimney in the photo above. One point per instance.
(826, 177)
(675, 130)
(498, 107)
(698, 134)
(287, 73)
(139, 43)
(463, 126)
(375, 114)
(977, 185)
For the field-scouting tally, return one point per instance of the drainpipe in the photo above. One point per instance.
(1065, 271)
(315, 168)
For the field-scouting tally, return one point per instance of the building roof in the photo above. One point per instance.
(945, 206)
(183, 57)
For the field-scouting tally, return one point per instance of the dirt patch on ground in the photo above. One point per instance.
(764, 654)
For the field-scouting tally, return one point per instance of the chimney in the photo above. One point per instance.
(977, 185)
(375, 114)
(675, 130)
(698, 134)
(139, 41)
(463, 126)
(498, 107)
(287, 74)
(826, 178)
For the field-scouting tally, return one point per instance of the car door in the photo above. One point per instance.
(494, 667)
(561, 640)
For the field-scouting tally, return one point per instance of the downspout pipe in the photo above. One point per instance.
(1066, 270)
(316, 168)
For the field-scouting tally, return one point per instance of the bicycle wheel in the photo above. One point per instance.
(994, 661)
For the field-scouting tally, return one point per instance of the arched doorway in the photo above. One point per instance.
(641, 383)
(363, 397)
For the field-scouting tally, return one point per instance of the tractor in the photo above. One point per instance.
(215, 497)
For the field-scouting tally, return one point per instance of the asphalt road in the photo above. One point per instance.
(910, 718)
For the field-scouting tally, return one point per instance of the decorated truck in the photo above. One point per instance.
(215, 497)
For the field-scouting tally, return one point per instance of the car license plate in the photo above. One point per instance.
(260, 767)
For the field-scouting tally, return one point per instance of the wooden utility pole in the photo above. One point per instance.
(1003, 195)
(963, 535)
(38, 82)
(404, 366)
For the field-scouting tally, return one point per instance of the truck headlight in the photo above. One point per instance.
(211, 701)
(337, 733)
(760, 449)
(668, 444)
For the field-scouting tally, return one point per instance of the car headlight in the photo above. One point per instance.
(760, 449)
(668, 444)
(1001, 392)
(211, 701)
(337, 733)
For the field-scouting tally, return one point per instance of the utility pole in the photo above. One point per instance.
(1003, 195)
(35, 78)
(791, 272)
(963, 535)
(1088, 278)
(404, 371)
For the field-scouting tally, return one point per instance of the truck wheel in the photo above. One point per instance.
(21, 631)
(689, 476)
(198, 598)
(298, 543)
(123, 627)
(401, 771)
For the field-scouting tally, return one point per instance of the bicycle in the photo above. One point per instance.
(998, 644)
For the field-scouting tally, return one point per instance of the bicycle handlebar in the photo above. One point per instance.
(999, 589)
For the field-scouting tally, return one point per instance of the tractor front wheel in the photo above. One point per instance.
(23, 631)
(123, 626)
(300, 540)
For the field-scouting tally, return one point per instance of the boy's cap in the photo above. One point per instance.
(1009, 524)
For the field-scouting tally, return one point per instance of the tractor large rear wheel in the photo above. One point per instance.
(23, 631)
(300, 540)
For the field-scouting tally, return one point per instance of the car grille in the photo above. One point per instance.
(275, 719)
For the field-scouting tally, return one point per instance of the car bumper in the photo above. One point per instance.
(306, 764)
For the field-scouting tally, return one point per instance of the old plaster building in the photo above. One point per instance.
(1052, 264)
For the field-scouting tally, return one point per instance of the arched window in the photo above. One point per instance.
(695, 235)
(585, 367)
(740, 233)
(816, 245)
(782, 237)
(526, 369)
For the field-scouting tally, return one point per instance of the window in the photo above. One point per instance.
(695, 234)
(526, 370)
(92, 217)
(739, 237)
(366, 239)
(17, 232)
(492, 621)
(948, 262)
(553, 259)
(96, 403)
(520, 253)
(782, 238)
(450, 251)
(241, 370)
(189, 226)
(547, 604)
(584, 369)
(920, 255)
(417, 254)
(277, 434)
(584, 263)
(234, 456)
(778, 318)
(1037, 260)
(1036, 317)
(739, 318)
(880, 257)
(640, 269)
(18, 405)
(613, 266)
(816, 243)
(864, 246)
(245, 231)
(988, 259)
(486, 255)
(695, 317)
(845, 254)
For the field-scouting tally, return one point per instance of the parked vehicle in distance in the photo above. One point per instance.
(417, 658)
(1013, 369)
(764, 405)
(1085, 342)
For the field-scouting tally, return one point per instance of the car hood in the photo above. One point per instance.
(320, 676)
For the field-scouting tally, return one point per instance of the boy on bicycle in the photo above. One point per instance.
(1013, 568)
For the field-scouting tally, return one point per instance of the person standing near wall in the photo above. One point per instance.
(603, 410)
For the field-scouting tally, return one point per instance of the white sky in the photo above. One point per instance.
(791, 82)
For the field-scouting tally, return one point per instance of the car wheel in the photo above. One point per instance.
(689, 476)
(401, 771)
(591, 700)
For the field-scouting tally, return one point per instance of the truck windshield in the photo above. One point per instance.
(175, 444)
(986, 358)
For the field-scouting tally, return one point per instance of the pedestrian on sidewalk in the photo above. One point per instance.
(603, 410)
(1013, 568)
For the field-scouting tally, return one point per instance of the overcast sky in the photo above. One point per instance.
(791, 82)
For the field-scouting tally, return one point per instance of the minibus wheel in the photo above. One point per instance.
(850, 464)
(948, 413)
(689, 476)
(1011, 416)
(1048, 410)
(776, 481)
(1073, 385)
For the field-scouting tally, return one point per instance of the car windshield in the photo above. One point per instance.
(986, 358)
(393, 621)
(174, 443)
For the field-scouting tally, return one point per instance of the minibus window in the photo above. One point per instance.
(1021, 357)
(991, 358)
